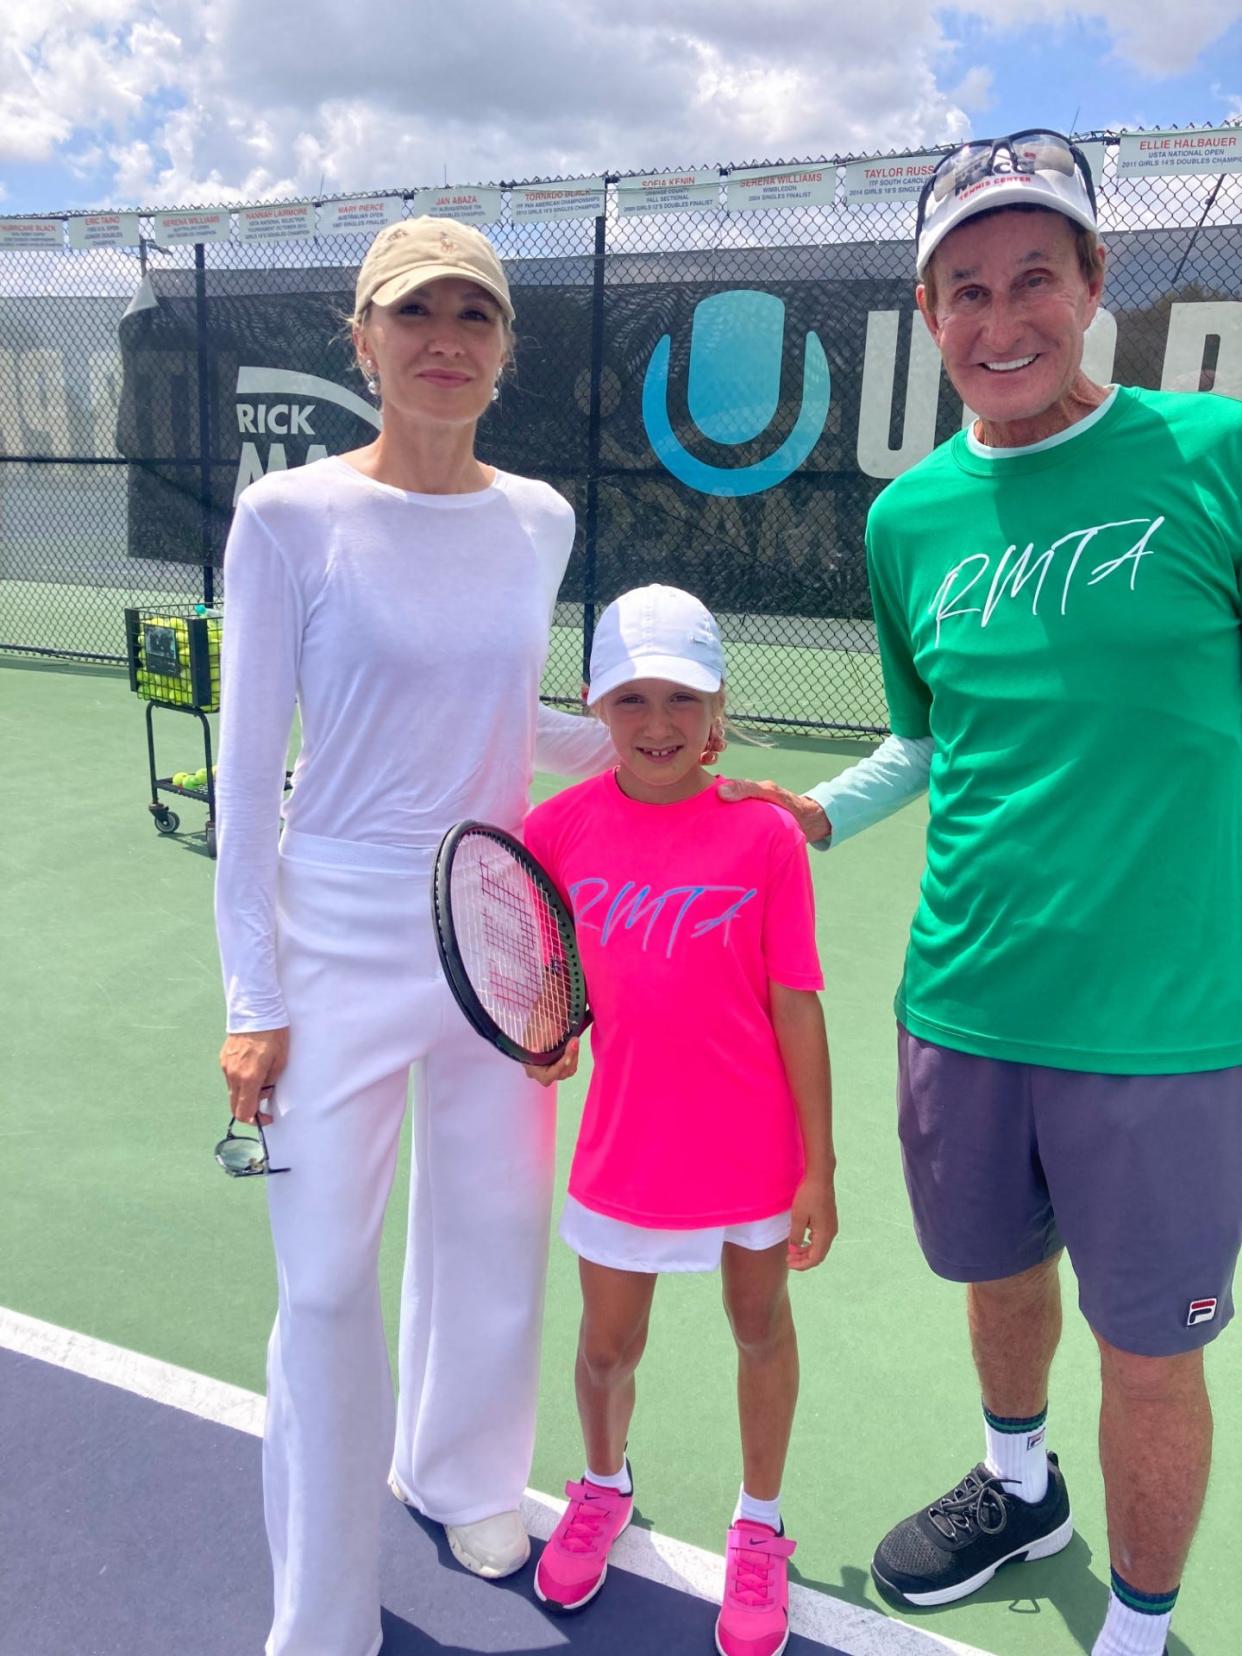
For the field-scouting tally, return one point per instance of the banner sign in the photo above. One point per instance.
(36, 232)
(1216, 151)
(755, 187)
(542, 203)
(364, 213)
(901, 177)
(175, 229)
(105, 230)
(888, 178)
(668, 193)
(283, 221)
(468, 203)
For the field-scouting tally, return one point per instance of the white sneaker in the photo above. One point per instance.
(492, 1547)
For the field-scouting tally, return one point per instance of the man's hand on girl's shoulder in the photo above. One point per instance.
(808, 813)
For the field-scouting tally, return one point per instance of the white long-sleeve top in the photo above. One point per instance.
(411, 632)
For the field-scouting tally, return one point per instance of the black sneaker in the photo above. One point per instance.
(954, 1546)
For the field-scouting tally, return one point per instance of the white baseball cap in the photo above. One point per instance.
(656, 632)
(1035, 169)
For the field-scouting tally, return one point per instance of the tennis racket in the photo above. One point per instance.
(506, 943)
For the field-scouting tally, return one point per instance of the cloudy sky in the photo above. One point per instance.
(124, 103)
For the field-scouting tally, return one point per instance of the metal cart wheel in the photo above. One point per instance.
(166, 821)
(211, 839)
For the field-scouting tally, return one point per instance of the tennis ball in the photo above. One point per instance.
(180, 779)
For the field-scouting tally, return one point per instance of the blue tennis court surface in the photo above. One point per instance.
(135, 1528)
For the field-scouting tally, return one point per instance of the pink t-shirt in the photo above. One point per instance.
(684, 914)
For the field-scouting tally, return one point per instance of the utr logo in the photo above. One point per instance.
(733, 391)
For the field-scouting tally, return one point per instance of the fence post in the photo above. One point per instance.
(204, 422)
(593, 442)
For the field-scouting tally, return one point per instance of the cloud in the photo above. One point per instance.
(71, 71)
(1159, 37)
(1167, 37)
(196, 102)
(974, 91)
(85, 163)
(201, 101)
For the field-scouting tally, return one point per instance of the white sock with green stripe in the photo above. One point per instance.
(1016, 1453)
(1137, 1623)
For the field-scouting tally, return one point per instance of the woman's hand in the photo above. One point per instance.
(813, 1222)
(565, 1066)
(251, 1063)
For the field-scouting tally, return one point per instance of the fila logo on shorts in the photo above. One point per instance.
(1200, 1311)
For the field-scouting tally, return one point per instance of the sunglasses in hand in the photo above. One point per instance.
(243, 1157)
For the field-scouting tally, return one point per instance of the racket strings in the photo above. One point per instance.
(511, 945)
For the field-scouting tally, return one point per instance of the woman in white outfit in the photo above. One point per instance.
(401, 596)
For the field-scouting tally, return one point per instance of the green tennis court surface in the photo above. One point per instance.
(115, 1222)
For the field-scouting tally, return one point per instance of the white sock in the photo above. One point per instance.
(1016, 1454)
(758, 1512)
(1128, 1632)
(620, 1481)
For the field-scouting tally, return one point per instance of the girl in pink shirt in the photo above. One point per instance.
(693, 1154)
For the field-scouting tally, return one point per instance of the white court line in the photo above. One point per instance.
(847, 1627)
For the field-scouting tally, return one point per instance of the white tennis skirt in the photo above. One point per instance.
(624, 1247)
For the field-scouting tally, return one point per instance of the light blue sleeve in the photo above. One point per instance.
(875, 787)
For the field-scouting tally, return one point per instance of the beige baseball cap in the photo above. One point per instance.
(414, 251)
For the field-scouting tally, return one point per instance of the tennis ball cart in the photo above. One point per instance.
(174, 665)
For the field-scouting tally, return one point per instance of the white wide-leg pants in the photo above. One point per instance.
(368, 1004)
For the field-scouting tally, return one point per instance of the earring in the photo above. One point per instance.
(373, 383)
(496, 392)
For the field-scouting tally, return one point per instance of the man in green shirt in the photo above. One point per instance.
(1057, 592)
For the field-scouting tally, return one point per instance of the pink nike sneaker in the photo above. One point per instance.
(754, 1618)
(572, 1567)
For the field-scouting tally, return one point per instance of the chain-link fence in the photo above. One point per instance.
(720, 394)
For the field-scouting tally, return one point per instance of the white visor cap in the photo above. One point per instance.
(656, 632)
(1059, 192)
